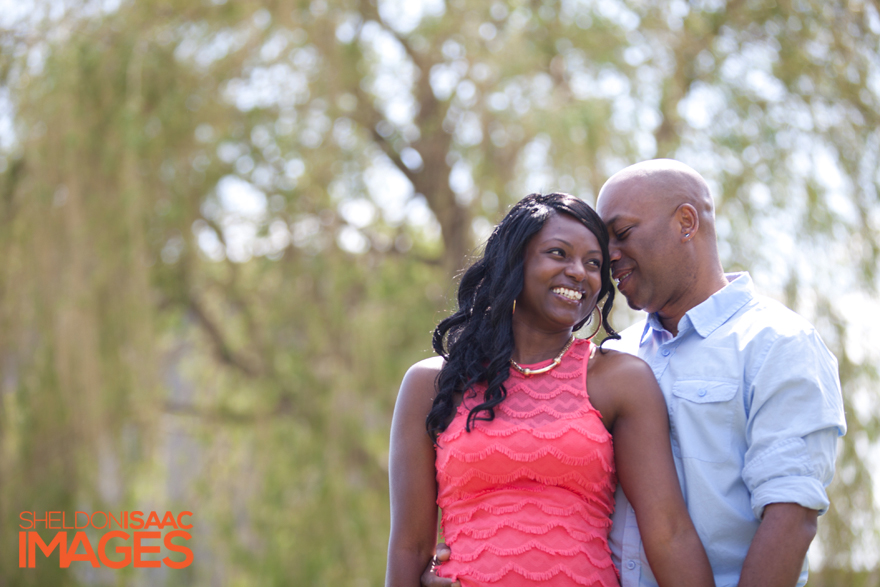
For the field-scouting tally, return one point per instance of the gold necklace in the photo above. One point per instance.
(551, 366)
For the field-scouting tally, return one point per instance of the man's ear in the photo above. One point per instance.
(688, 221)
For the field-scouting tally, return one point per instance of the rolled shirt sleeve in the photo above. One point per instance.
(794, 420)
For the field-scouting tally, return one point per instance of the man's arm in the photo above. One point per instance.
(777, 552)
(795, 418)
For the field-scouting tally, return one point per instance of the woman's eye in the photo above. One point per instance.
(557, 252)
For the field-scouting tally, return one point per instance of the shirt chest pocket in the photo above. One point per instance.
(701, 419)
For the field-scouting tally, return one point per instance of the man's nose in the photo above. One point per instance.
(613, 251)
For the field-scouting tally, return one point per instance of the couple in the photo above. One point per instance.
(521, 417)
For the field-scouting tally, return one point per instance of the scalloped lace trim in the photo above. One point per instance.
(580, 548)
(527, 457)
(553, 391)
(568, 425)
(542, 576)
(579, 507)
(526, 473)
(533, 530)
(451, 500)
(543, 409)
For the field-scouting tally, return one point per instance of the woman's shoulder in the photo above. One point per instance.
(421, 377)
(621, 377)
(618, 365)
(417, 391)
(426, 367)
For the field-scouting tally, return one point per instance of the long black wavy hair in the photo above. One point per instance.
(477, 340)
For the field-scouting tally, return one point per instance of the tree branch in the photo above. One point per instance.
(222, 349)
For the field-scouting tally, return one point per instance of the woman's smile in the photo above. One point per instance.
(568, 293)
(563, 259)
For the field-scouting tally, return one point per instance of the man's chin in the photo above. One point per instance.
(633, 303)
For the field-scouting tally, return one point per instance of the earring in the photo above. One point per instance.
(598, 326)
(514, 307)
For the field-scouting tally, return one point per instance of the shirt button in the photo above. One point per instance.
(665, 352)
(702, 393)
(630, 565)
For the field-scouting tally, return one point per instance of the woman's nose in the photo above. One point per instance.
(576, 270)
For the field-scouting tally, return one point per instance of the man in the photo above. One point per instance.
(753, 393)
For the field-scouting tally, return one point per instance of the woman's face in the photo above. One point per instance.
(562, 275)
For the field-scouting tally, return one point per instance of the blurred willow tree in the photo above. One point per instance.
(228, 228)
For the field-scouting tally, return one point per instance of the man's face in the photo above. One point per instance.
(643, 233)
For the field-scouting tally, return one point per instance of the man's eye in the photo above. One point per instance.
(622, 234)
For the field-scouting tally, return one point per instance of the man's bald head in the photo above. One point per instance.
(666, 182)
(661, 221)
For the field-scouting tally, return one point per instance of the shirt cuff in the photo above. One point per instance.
(804, 491)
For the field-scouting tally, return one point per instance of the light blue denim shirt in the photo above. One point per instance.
(755, 411)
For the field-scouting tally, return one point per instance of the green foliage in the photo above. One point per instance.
(228, 229)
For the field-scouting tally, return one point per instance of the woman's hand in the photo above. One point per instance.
(429, 577)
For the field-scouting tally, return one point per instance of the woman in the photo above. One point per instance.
(519, 453)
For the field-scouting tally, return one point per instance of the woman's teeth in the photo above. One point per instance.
(569, 293)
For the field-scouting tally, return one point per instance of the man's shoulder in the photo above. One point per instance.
(759, 315)
(767, 316)
(765, 326)
(629, 339)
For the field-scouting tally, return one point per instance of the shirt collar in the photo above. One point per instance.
(715, 311)
(652, 323)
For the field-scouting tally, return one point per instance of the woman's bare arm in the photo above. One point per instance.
(412, 478)
(635, 412)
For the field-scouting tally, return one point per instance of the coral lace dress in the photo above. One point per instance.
(527, 497)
